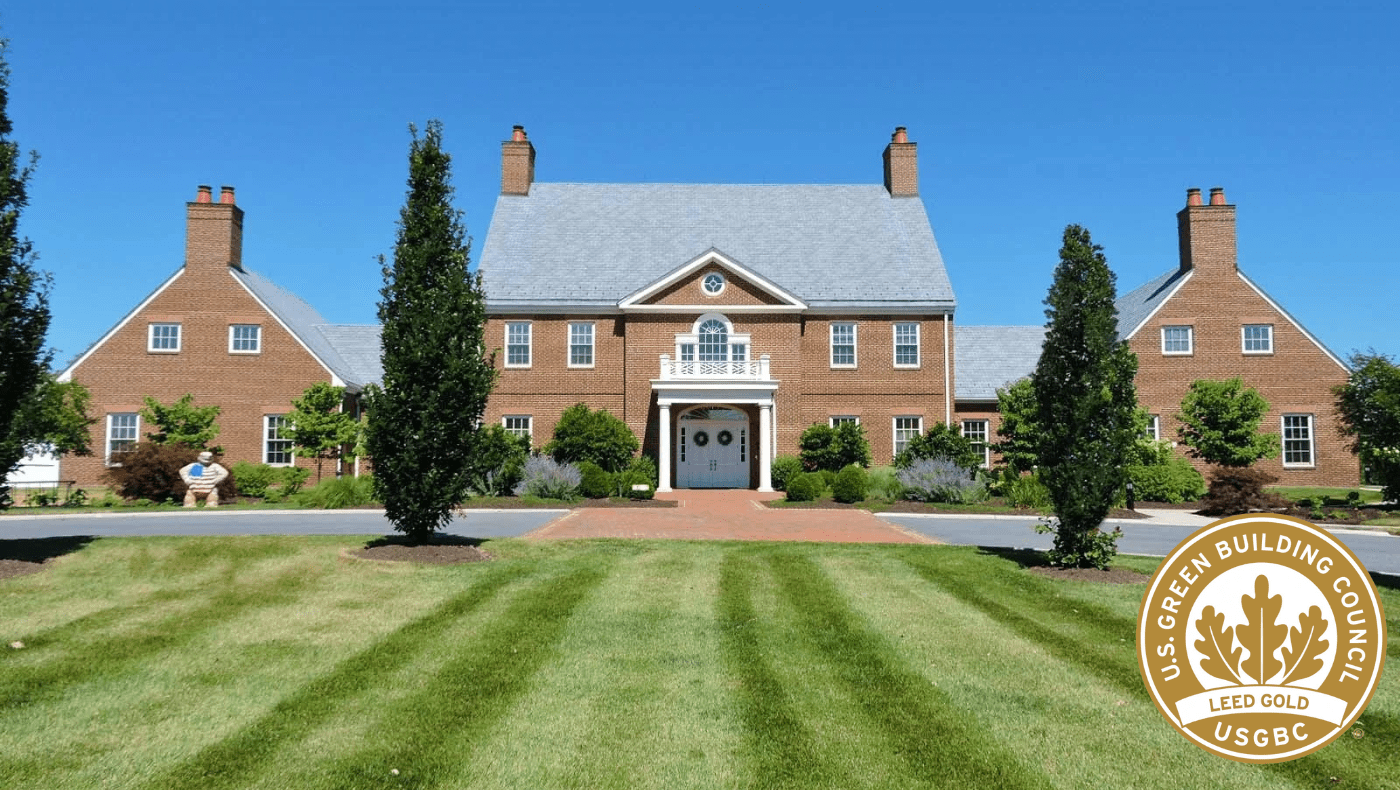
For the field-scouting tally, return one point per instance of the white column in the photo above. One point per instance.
(664, 452)
(765, 447)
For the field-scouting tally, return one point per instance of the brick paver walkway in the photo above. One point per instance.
(726, 515)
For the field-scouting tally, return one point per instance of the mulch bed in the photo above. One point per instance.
(1110, 576)
(440, 550)
(12, 568)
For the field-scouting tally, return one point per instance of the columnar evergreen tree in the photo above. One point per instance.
(423, 423)
(1085, 400)
(24, 296)
(1018, 431)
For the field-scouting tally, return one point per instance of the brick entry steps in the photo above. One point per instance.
(727, 514)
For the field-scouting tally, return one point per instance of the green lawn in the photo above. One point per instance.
(281, 663)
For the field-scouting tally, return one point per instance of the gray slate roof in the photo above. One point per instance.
(594, 244)
(307, 324)
(989, 357)
(359, 348)
(1135, 306)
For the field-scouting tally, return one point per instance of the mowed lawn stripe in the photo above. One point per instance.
(637, 696)
(426, 735)
(232, 760)
(941, 743)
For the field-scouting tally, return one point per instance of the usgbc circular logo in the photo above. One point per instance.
(1261, 638)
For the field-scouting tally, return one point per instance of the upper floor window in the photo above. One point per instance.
(121, 434)
(1258, 338)
(244, 339)
(163, 337)
(712, 339)
(975, 431)
(581, 344)
(277, 448)
(713, 284)
(518, 344)
(843, 345)
(905, 429)
(1297, 440)
(906, 345)
(1176, 340)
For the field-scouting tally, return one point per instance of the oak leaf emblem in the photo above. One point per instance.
(1217, 643)
(1261, 640)
(1304, 659)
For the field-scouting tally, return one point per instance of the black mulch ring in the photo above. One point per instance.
(1110, 576)
(24, 556)
(439, 550)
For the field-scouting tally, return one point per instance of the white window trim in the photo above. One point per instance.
(723, 283)
(1312, 441)
(292, 451)
(918, 345)
(1154, 427)
(831, 420)
(692, 338)
(151, 337)
(232, 350)
(1190, 340)
(985, 441)
(529, 425)
(894, 429)
(592, 344)
(107, 443)
(529, 345)
(855, 345)
(1256, 353)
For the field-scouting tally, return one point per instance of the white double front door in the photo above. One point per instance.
(713, 453)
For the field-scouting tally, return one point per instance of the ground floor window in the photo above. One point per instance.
(975, 431)
(277, 448)
(519, 425)
(1297, 440)
(121, 434)
(838, 420)
(1154, 427)
(905, 429)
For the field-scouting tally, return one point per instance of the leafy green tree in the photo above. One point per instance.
(319, 427)
(24, 296)
(182, 422)
(585, 435)
(1085, 402)
(1368, 406)
(423, 423)
(834, 449)
(1018, 431)
(1220, 423)
(56, 418)
(940, 441)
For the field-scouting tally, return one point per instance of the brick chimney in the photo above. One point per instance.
(1207, 233)
(213, 231)
(901, 165)
(517, 163)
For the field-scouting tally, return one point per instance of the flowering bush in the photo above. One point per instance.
(548, 479)
(940, 480)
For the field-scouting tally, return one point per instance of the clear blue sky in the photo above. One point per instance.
(1028, 117)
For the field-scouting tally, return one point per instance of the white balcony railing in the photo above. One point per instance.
(752, 370)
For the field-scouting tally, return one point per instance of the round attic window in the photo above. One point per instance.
(713, 283)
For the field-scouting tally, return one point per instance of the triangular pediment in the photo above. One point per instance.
(712, 280)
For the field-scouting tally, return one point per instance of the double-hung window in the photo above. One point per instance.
(122, 430)
(975, 431)
(517, 344)
(277, 448)
(906, 344)
(1298, 440)
(518, 425)
(843, 345)
(1176, 340)
(1257, 338)
(905, 429)
(581, 344)
(164, 338)
(244, 338)
(1154, 427)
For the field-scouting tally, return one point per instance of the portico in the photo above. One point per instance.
(706, 437)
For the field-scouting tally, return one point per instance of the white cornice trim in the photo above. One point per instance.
(708, 308)
(712, 256)
(67, 375)
(873, 310)
(1290, 319)
(527, 308)
(1159, 306)
(336, 380)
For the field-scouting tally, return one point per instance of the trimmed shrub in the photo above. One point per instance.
(546, 478)
(940, 480)
(253, 479)
(804, 487)
(292, 478)
(338, 493)
(1174, 481)
(594, 481)
(1235, 490)
(883, 483)
(783, 469)
(851, 485)
(827, 478)
(940, 441)
(833, 449)
(585, 435)
(642, 471)
(152, 471)
(1026, 491)
(498, 461)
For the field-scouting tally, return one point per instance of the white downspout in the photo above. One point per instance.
(947, 374)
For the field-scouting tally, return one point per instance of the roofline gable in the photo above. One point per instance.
(1296, 324)
(636, 298)
(1158, 308)
(67, 374)
(336, 380)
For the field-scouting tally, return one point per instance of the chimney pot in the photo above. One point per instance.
(901, 165)
(517, 163)
(518, 134)
(1217, 196)
(226, 196)
(1193, 197)
(901, 135)
(205, 194)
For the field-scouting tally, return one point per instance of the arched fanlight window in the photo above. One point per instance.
(714, 341)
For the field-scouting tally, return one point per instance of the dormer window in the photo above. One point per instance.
(713, 284)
